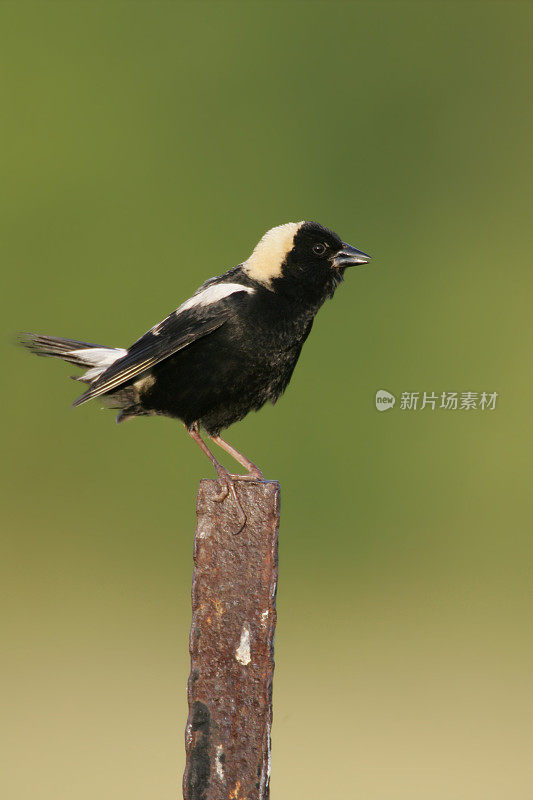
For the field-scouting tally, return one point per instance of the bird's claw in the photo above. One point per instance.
(227, 486)
(224, 490)
(254, 475)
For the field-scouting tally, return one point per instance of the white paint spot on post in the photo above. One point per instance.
(188, 735)
(269, 754)
(265, 771)
(203, 532)
(242, 654)
(218, 762)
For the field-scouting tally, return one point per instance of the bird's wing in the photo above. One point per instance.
(210, 308)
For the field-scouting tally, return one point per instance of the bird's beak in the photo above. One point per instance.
(349, 257)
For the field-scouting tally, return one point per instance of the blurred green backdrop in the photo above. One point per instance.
(146, 147)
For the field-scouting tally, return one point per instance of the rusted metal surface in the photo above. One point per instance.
(227, 738)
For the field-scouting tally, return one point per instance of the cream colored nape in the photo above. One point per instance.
(270, 252)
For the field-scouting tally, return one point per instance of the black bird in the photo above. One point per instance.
(228, 349)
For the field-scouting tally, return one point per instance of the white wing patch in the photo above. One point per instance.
(99, 359)
(205, 297)
(211, 294)
(100, 356)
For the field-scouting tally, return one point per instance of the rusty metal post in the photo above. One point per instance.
(227, 738)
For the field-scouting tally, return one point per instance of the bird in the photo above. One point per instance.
(227, 350)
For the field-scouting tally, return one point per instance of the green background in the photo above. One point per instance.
(146, 147)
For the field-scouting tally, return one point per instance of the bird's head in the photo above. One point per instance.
(302, 259)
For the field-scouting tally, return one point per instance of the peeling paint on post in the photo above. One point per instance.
(227, 738)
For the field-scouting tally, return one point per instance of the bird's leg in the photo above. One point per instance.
(254, 473)
(222, 472)
(226, 480)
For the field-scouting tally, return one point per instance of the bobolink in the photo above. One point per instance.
(228, 349)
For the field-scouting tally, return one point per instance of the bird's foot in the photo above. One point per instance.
(227, 486)
(255, 474)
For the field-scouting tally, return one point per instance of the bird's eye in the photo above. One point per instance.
(319, 249)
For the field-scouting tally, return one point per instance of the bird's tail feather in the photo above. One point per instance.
(82, 354)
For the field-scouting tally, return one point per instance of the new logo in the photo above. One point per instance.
(384, 400)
